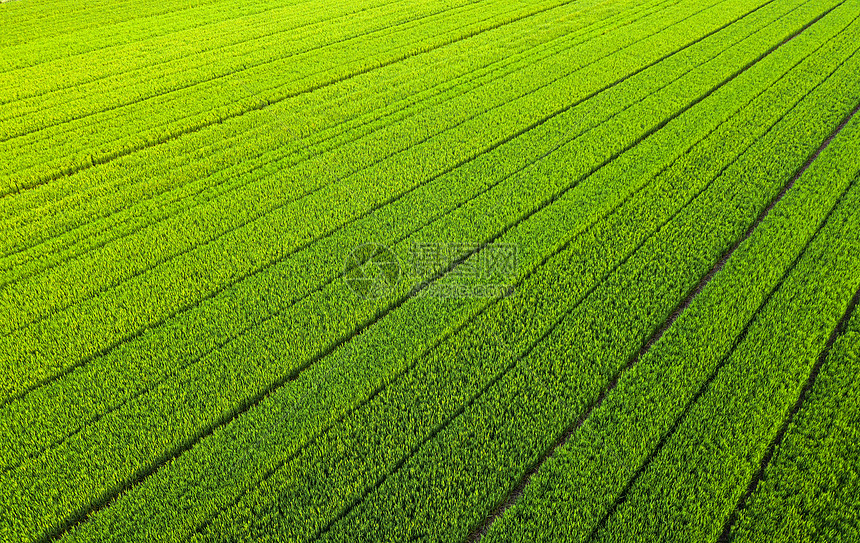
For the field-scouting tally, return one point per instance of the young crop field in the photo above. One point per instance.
(430, 271)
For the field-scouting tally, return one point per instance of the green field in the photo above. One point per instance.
(430, 271)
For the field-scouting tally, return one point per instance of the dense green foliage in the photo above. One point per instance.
(809, 489)
(313, 270)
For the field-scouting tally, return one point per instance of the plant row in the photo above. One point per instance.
(196, 60)
(41, 58)
(169, 116)
(81, 17)
(318, 173)
(257, 88)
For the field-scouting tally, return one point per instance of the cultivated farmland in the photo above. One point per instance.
(430, 271)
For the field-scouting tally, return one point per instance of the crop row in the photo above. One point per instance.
(48, 488)
(256, 119)
(408, 215)
(74, 224)
(259, 191)
(80, 17)
(171, 287)
(574, 491)
(415, 314)
(200, 327)
(307, 114)
(464, 176)
(39, 63)
(319, 175)
(808, 491)
(198, 62)
(167, 117)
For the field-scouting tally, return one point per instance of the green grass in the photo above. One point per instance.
(668, 357)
